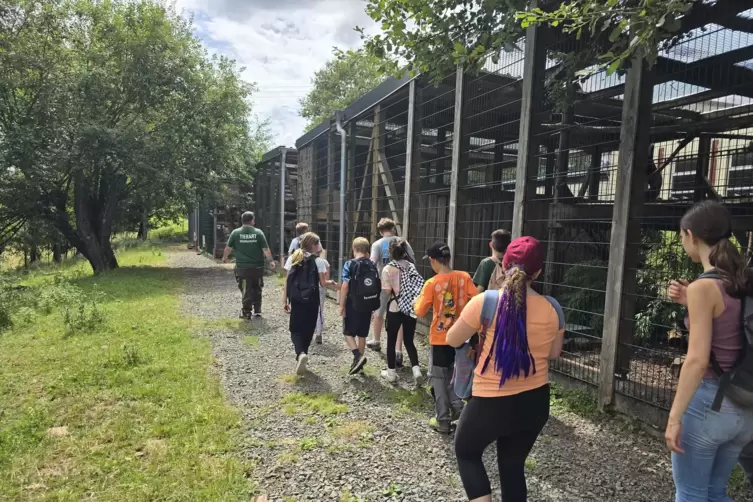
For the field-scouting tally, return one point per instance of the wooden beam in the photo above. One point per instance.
(390, 191)
(457, 147)
(362, 192)
(410, 137)
(716, 72)
(534, 65)
(625, 235)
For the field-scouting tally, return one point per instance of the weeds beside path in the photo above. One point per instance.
(113, 400)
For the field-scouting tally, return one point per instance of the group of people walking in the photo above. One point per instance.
(492, 335)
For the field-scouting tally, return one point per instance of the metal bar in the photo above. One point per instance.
(409, 156)
(528, 147)
(630, 183)
(457, 134)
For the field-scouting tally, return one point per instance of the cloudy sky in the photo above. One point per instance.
(281, 43)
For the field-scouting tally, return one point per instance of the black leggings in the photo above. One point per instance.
(302, 326)
(394, 321)
(514, 422)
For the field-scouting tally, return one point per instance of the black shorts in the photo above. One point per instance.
(356, 324)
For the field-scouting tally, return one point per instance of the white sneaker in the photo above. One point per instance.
(389, 375)
(418, 375)
(300, 368)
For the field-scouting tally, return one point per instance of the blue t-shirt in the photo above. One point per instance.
(348, 266)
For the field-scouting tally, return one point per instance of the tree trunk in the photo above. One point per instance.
(144, 227)
(94, 220)
(57, 253)
(34, 254)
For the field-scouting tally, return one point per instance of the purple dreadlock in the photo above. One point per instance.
(512, 356)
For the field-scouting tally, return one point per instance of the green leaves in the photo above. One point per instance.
(343, 79)
(122, 107)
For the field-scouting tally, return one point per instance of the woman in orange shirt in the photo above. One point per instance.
(510, 398)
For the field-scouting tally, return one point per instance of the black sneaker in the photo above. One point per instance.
(446, 428)
(245, 315)
(398, 359)
(374, 345)
(357, 366)
(257, 315)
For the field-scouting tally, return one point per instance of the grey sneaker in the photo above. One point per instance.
(300, 367)
(318, 340)
(374, 345)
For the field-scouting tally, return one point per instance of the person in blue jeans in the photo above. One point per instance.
(705, 443)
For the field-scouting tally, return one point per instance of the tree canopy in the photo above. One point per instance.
(434, 36)
(341, 81)
(106, 104)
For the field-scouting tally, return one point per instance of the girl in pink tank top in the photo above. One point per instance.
(706, 444)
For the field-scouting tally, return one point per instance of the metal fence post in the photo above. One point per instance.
(625, 235)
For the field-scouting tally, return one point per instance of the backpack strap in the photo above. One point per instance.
(558, 309)
(489, 308)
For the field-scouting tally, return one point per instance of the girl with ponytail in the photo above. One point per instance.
(706, 440)
(510, 398)
(306, 272)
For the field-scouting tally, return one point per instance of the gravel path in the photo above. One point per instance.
(330, 437)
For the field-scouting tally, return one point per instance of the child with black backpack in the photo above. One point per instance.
(359, 298)
(402, 284)
(306, 273)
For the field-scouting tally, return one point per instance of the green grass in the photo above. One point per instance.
(410, 401)
(577, 401)
(326, 405)
(138, 416)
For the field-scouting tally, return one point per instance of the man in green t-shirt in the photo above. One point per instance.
(251, 254)
(500, 241)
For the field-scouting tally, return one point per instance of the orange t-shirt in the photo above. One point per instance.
(447, 294)
(542, 328)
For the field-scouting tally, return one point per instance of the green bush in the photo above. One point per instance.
(662, 259)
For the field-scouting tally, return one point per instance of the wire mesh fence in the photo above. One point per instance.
(432, 162)
(487, 168)
(701, 144)
(700, 147)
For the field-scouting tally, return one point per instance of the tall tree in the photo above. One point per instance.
(103, 103)
(341, 81)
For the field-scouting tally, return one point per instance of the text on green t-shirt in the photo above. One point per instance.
(249, 244)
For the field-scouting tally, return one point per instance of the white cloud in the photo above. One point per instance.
(281, 43)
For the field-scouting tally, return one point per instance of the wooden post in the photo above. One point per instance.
(283, 170)
(409, 139)
(376, 145)
(625, 241)
(329, 239)
(350, 176)
(528, 146)
(457, 149)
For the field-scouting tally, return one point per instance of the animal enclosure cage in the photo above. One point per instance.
(274, 216)
(600, 170)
